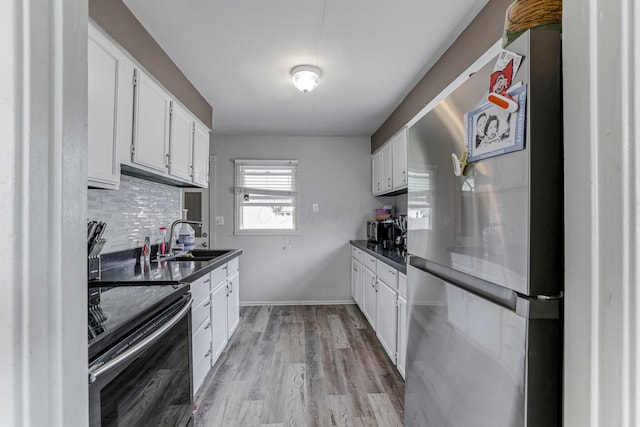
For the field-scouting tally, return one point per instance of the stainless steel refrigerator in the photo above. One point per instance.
(485, 273)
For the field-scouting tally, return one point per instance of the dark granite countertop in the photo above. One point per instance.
(394, 257)
(130, 271)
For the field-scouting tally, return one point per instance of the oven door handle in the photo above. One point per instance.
(96, 371)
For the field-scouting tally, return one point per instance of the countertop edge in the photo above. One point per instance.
(210, 267)
(362, 244)
(188, 280)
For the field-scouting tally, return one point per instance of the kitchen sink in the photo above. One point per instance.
(201, 255)
(197, 255)
(192, 258)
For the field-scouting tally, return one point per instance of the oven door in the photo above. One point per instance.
(146, 379)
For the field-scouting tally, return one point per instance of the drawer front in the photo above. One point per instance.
(232, 266)
(218, 275)
(402, 284)
(369, 261)
(200, 289)
(201, 340)
(387, 274)
(356, 254)
(200, 370)
(200, 314)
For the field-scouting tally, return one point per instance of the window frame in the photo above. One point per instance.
(239, 195)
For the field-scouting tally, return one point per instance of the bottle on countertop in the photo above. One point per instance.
(163, 241)
(186, 235)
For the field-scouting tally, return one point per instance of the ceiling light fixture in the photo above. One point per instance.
(305, 77)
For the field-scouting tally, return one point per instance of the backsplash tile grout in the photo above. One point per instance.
(135, 211)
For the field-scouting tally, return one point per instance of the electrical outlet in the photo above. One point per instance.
(219, 220)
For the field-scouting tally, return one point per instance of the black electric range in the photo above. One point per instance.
(116, 311)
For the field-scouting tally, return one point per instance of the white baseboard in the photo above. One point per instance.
(332, 302)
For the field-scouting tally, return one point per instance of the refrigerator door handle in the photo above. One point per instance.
(505, 297)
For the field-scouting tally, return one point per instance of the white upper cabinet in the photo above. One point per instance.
(110, 75)
(200, 155)
(389, 165)
(399, 148)
(381, 165)
(151, 124)
(376, 173)
(181, 142)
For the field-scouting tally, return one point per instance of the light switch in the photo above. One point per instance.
(219, 220)
(316, 207)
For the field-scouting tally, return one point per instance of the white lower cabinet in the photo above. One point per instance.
(387, 318)
(383, 291)
(218, 319)
(356, 282)
(200, 330)
(402, 334)
(369, 296)
(225, 305)
(233, 303)
(215, 313)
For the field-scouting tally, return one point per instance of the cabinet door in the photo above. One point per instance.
(402, 334)
(102, 110)
(233, 304)
(151, 124)
(399, 148)
(218, 320)
(200, 160)
(180, 142)
(387, 318)
(387, 165)
(376, 173)
(356, 281)
(369, 296)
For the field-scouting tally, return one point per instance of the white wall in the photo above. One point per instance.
(602, 194)
(314, 266)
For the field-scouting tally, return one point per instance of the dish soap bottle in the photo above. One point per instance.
(186, 235)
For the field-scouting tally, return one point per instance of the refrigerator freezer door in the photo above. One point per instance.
(472, 362)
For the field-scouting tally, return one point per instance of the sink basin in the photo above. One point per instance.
(192, 258)
(203, 253)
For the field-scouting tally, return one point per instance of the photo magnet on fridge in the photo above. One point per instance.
(491, 131)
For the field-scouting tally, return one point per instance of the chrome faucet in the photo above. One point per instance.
(176, 222)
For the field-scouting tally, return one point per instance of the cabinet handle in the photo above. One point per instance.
(208, 325)
(404, 176)
(207, 304)
(167, 160)
(393, 273)
(208, 353)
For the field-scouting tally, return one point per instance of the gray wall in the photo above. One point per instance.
(479, 36)
(313, 266)
(135, 211)
(117, 20)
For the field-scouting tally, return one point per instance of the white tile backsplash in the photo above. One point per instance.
(135, 211)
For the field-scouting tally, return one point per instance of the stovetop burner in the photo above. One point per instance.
(115, 311)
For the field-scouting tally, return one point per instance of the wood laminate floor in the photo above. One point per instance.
(302, 366)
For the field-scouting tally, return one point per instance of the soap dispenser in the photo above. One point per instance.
(186, 235)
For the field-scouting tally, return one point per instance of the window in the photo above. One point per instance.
(266, 197)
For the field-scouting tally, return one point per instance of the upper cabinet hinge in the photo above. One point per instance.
(171, 108)
(135, 79)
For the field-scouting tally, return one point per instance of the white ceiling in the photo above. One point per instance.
(238, 54)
